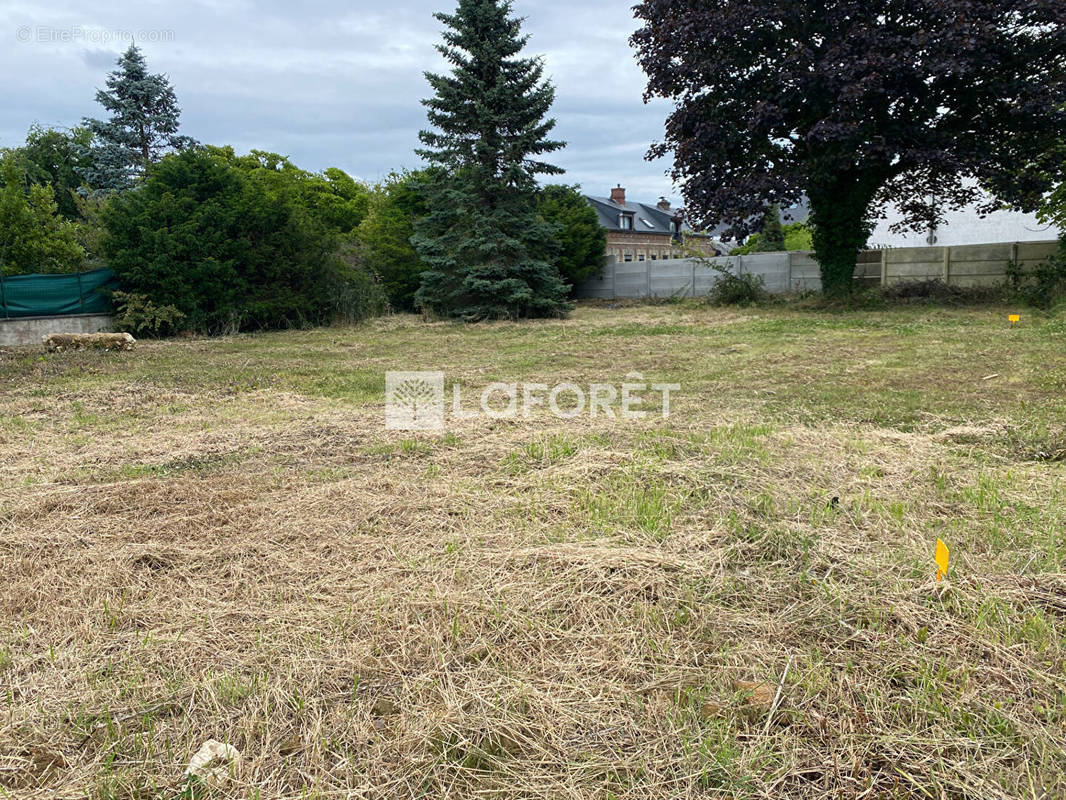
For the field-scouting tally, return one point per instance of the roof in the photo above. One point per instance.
(646, 218)
(652, 219)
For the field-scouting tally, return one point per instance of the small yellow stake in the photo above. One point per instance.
(941, 559)
(1014, 318)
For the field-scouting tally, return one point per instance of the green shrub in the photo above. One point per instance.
(229, 251)
(136, 314)
(737, 290)
(937, 292)
(383, 239)
(1044, 285)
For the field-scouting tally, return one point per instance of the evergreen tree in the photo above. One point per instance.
(488, 253)
(142, 128)
(772, 239)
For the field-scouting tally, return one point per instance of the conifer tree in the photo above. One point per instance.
(142, 128)
(772, 238)
(488, 253)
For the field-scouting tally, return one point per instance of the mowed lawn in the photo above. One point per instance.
(219, 539)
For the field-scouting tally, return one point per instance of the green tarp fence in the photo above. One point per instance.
(54, 295)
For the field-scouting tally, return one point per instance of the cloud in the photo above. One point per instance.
(328, 82)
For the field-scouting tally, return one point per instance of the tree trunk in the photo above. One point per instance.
(840, 228)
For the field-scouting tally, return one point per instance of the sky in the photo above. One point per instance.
(328, 82)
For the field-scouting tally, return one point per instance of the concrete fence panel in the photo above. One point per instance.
(804, 272)
(671, 278)
(966, 266)
(773, 268)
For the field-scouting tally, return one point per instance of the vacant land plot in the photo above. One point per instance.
(219, 539)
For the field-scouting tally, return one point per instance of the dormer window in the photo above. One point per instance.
(625, 222)
(674, 226)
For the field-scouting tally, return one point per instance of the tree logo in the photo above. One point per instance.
(414, 401)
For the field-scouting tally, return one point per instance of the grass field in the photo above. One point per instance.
(219, 539)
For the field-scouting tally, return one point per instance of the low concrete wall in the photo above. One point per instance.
(31, 330)
(968, 265)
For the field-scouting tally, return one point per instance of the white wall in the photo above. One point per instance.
(966, 227)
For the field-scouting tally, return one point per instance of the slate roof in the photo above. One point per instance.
(646, 218)
(652, 219)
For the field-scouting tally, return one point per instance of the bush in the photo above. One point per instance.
(228, 251)
(1044, 285)
(356, 294)
(936, 292)
(136, 314)
(736, 290)
(383, 239)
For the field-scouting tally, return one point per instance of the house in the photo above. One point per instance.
(642, 232)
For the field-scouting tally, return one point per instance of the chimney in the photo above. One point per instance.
(664, 204)
(618, 195)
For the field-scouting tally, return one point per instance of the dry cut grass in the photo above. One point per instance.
(218, 539)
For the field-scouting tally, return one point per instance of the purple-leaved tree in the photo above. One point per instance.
(921, 103)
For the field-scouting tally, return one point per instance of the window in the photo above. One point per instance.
(653, 257)
(628, 256)
(648, 224)
(674, 228)
(625, 222)
(640, 257)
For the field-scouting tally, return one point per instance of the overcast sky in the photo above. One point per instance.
(328, 83)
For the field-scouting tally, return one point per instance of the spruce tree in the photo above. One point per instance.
(488, 254)
(143, 125)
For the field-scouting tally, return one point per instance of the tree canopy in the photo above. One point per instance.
(582, 241)
(33, 236)
(58, 158)
(332, 197)
(220, 247)
(920, 103)
(384, 236)
(488, 254)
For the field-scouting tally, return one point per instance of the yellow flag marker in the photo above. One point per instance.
(942, 555)
(1014, 318)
